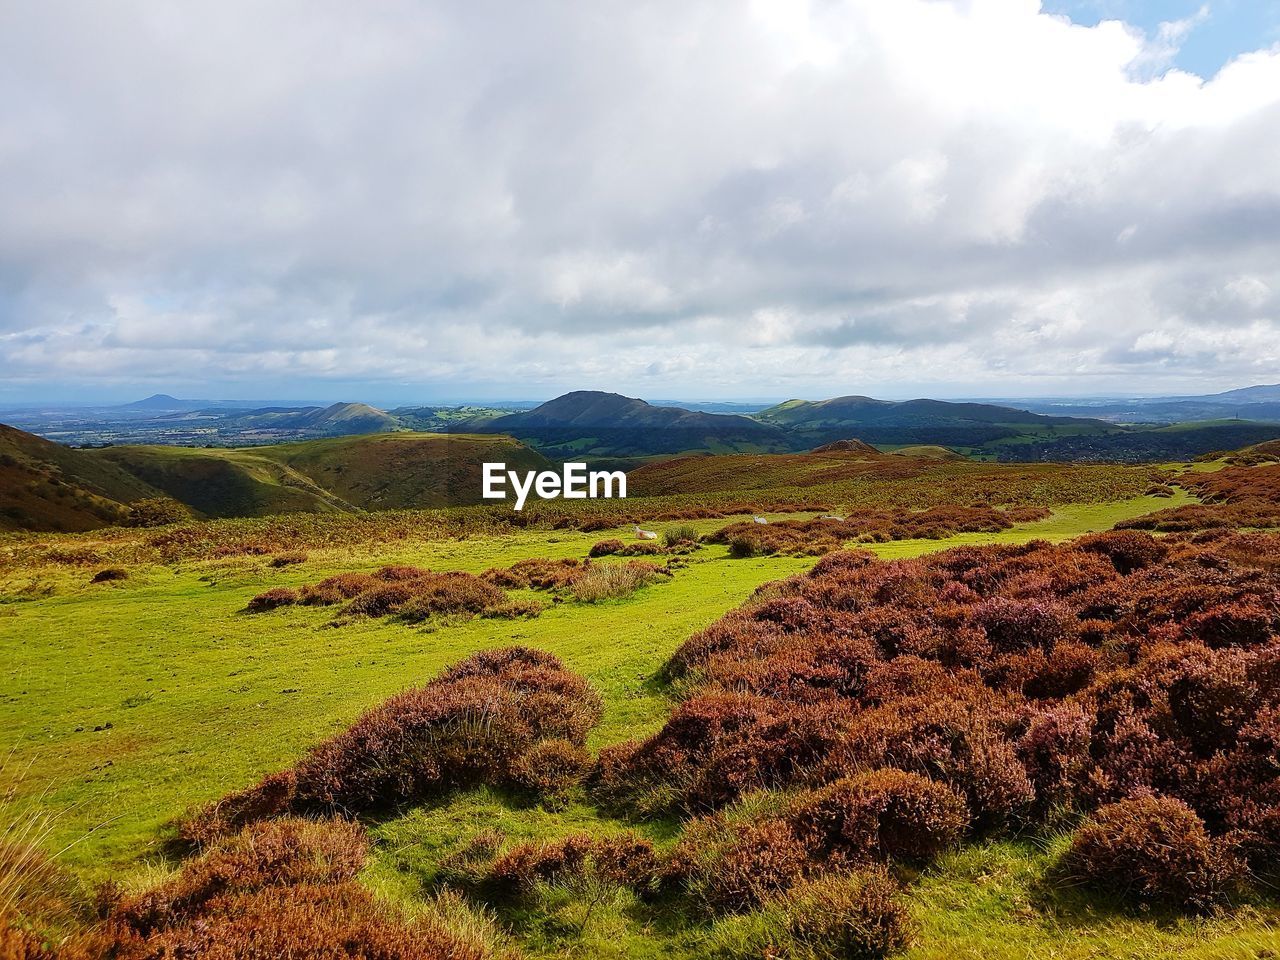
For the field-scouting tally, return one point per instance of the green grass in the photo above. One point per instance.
(201, 698)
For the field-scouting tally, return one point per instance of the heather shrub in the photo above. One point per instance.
(1153, 850)
(716, 747)
(342, 921)
(272, 599)
(1249, 621)
(1127, 550)
(270, 797)
(1054, 750)
(331, 590)
(728, 865)
(880, 814)
(605, 548)
(451, 593)
(1018, 625)
(552, 768)
(536, 574)
(276, 853)
(470, 725)
(110, 574)
(380, 600)
(858, 915)
(623, 860)
(958, 742)
(288, 559)
(396, 572)
(527, 864)
(515, 609)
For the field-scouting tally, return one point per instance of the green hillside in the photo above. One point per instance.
(373, 472)
(397, 470)
(222, 482)
(46, 486)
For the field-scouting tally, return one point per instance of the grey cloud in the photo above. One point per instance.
(550, 192)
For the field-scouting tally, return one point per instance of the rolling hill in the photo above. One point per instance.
(592, 423)
(371, 472)
(46, 486)
(936, 422)
(338, 419)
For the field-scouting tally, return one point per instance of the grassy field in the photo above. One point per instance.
(127, 704)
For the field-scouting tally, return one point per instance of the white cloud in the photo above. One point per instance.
(678, 197)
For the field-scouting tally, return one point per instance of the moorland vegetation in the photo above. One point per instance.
(946, 735)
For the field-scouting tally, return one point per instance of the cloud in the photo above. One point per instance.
(733, 198)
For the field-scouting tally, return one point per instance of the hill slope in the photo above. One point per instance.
(338, 419)
(374, 472)
(46, 486)
(393, 471)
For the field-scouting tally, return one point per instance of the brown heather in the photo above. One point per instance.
(980, 690)
(473, 724)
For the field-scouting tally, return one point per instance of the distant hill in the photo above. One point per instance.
(46, 486)
(599, 424)
(403, 470)
(164, 402)
(338, 419)
(1263, 393)
(933, 422)
(1259, 403)
(1178, 441)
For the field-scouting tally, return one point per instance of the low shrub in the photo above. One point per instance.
(382, 599)
(473, 724)
(110, 574)
(1153, 850)
(624, 860)
(288, 559)
(880, 814)
(272, 599)
(957, 741)
(717, 747)
(273, 854)
(536, 574)
(606, 548)
(608, 581)
(855, 916)
(341, 921)
(451, 593)
(527, 864)
(619, 548)
(517, 609)
(731, 866)
(683, 535)
(335, 589)
(552, 768)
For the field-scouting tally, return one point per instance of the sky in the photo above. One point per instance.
(694, 199)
